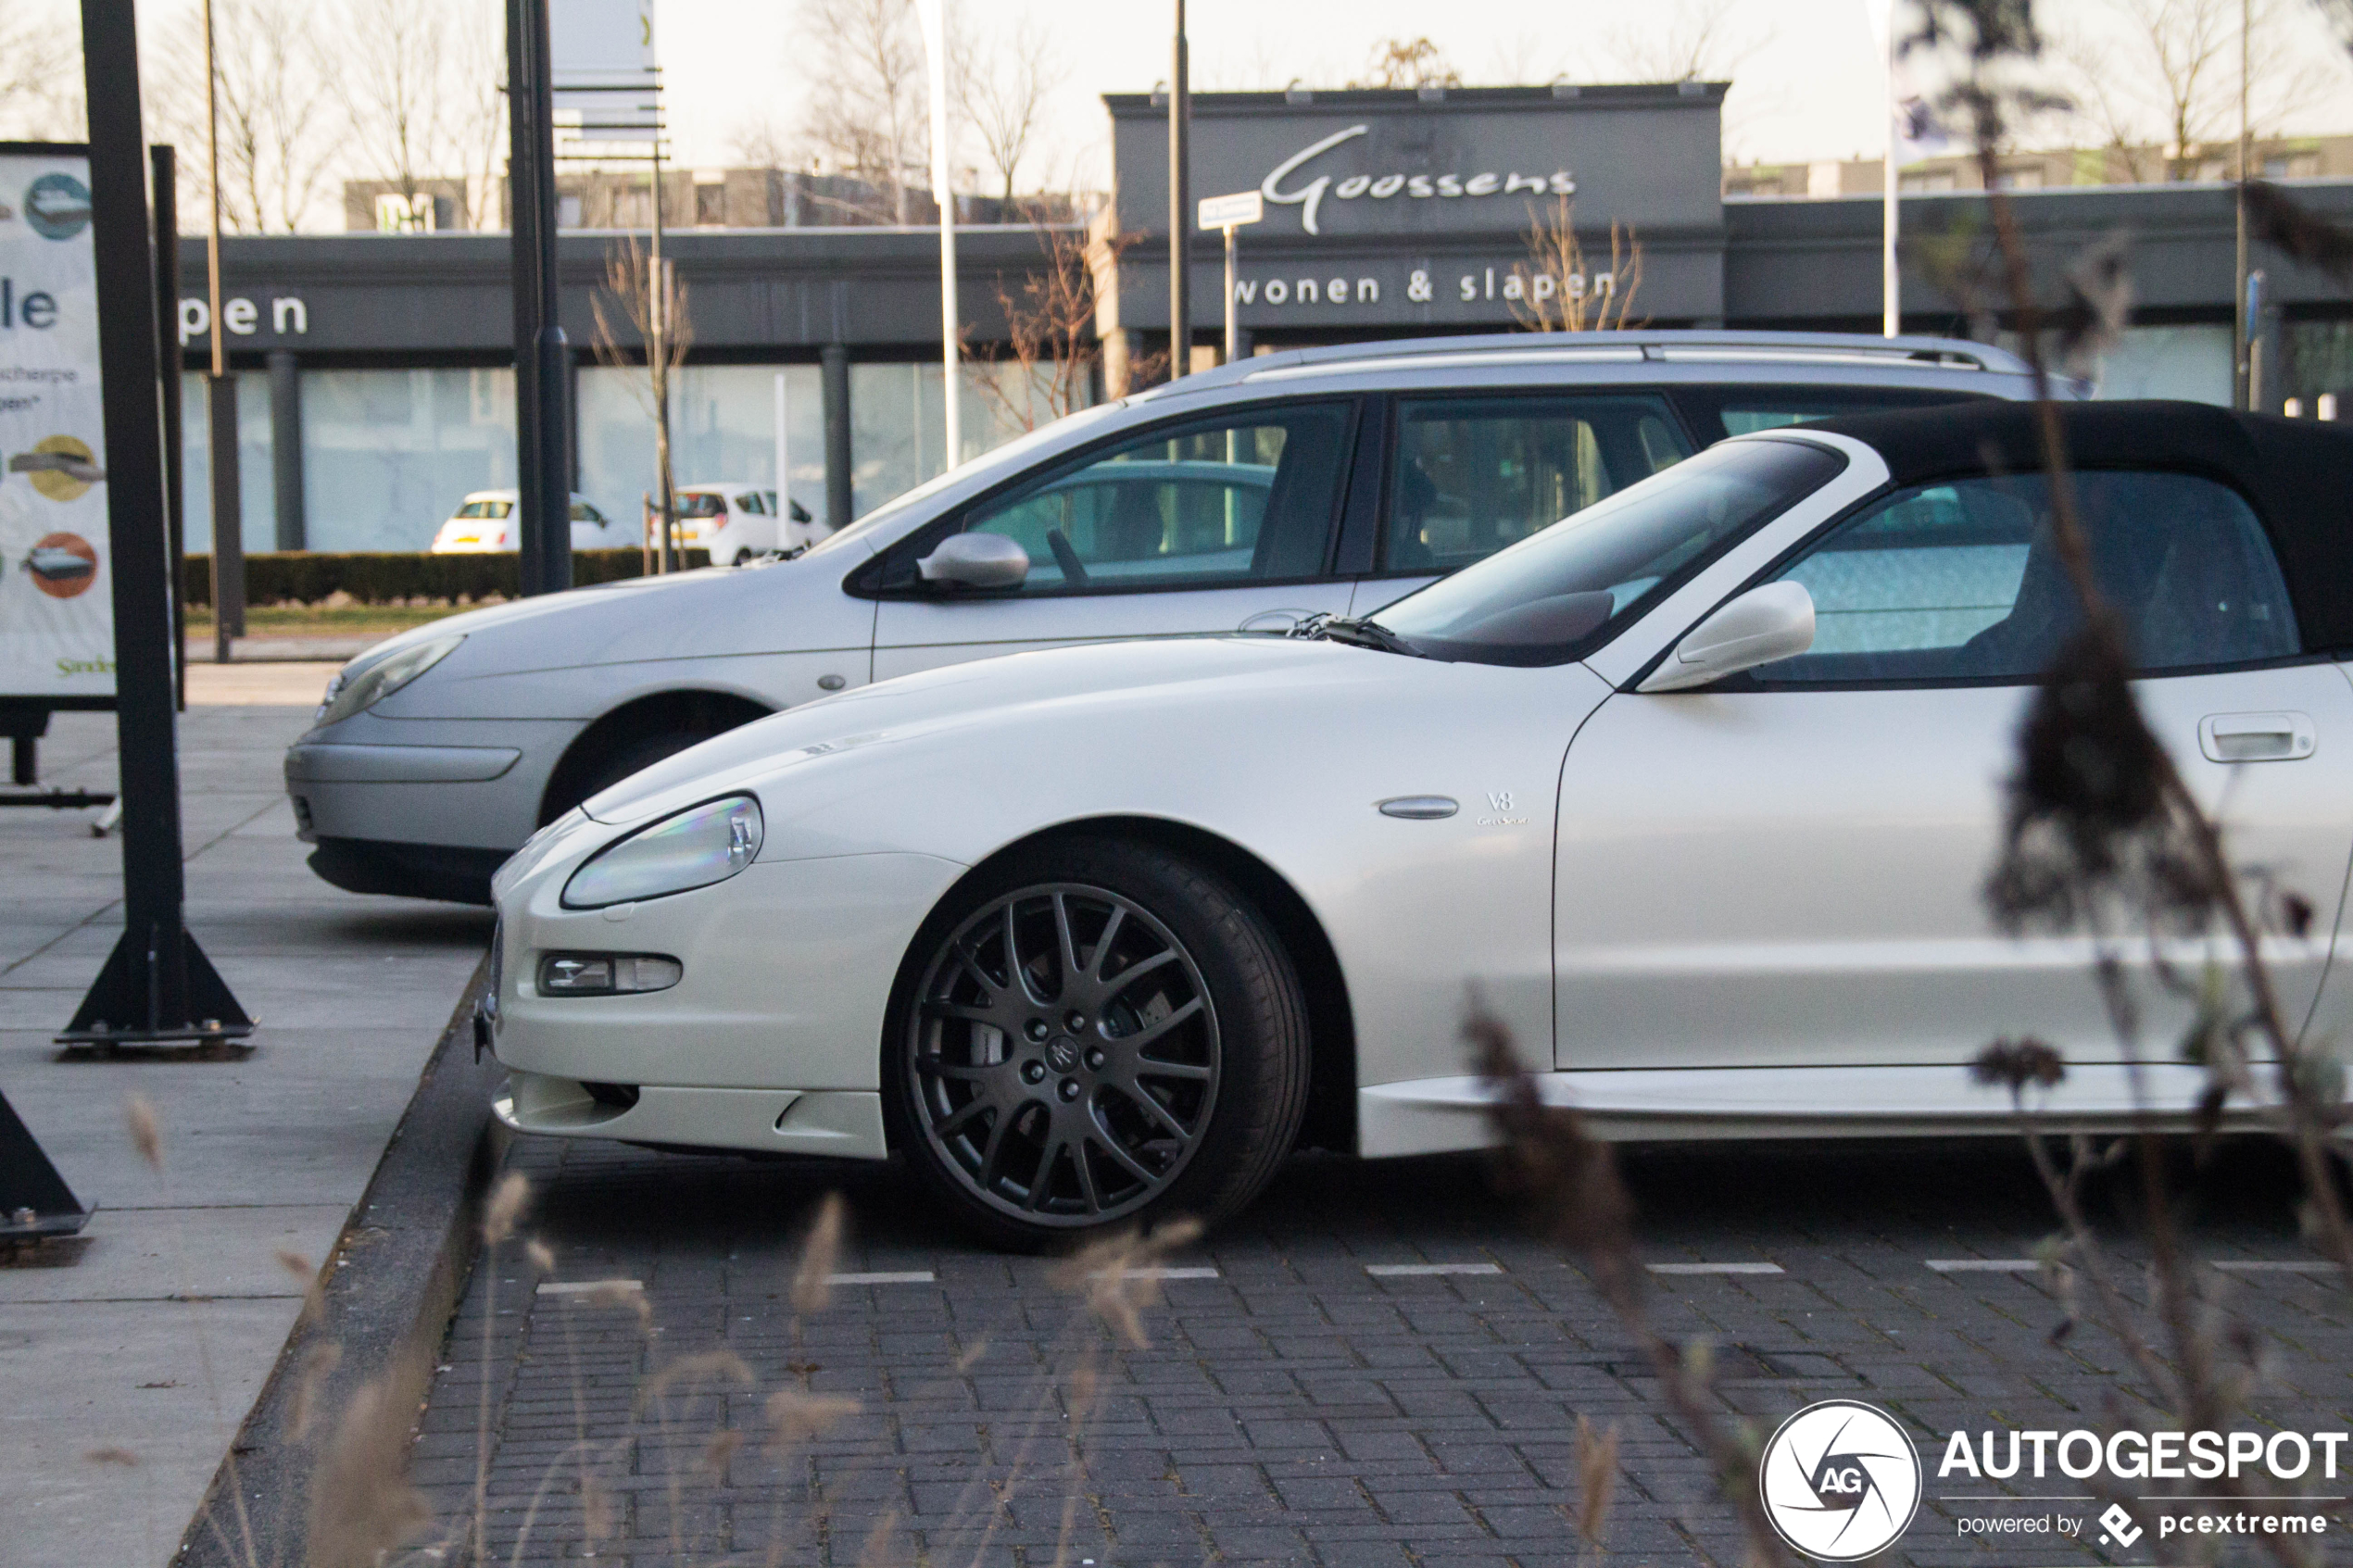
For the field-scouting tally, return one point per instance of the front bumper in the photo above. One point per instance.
(771, 1039)
(842, 1124)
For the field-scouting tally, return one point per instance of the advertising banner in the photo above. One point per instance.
(57, 600)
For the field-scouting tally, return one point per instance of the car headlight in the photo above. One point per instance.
(355, 690)
(692, 848)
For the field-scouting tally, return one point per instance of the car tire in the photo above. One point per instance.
(1146, 1055)
(741, 556)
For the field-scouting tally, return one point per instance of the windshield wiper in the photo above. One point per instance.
(1366, 633)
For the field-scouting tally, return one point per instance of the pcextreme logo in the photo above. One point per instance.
(1839, 1481)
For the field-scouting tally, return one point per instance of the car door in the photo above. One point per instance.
(1217, 523)
(1788, 867)
(1468, 474)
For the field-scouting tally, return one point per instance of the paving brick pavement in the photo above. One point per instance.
(1294, 1408)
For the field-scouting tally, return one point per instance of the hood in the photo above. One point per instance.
(710, 611)
(1125, 679)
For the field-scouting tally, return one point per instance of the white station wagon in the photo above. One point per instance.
(1250, 499)
(1698, 788)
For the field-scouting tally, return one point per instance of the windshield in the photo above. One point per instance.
(1013, 455)
(1560, 593)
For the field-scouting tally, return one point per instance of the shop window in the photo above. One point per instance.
(710, 204)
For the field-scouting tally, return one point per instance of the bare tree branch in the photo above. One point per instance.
(866, 115)
(1001, 92)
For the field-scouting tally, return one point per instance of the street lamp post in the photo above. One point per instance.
(1180, 179)
(935, 18)
(220, 397)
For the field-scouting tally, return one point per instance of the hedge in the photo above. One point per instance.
(307, 577)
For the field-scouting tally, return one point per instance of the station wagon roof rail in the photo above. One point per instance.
(1504, 349)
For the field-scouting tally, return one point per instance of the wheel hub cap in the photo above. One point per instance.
(1063, 1055)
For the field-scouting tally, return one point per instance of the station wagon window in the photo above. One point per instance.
(483, 508)
(1720, 411)
(1234, 501)
(1472, 475)
(582, 512)
(1962, 581)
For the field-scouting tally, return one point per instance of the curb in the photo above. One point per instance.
(385, 1298)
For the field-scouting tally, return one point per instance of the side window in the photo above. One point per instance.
(750, 504)
(1963, 581)
(1472, 475)
(1720, 411)
(1228, 501)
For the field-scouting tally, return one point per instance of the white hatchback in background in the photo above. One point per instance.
(485, 524)
(735, 522)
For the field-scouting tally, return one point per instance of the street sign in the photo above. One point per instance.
(602, 53)
(1227, 212)
(57, 566)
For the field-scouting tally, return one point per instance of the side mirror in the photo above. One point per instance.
(1770, 622)
(976, 560)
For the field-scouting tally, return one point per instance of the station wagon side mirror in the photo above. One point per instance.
(976, 560)
(1772, 621)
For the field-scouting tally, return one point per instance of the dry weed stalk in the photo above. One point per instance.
(2106, 839)
(1570, 1182)
(361, 1505)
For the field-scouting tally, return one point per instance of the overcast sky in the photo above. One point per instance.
(1806, 73)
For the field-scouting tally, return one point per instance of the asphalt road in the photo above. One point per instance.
(1300, 1401)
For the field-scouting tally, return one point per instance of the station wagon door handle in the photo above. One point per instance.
(1275, 620)
(2256, 737)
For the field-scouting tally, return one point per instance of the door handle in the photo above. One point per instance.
(1275, 621)
(2256, 737)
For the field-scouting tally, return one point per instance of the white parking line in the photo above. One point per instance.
(1715, 1268)
(1157, 1274)
(1982, 1265)
(902, 1276)
(2279, 1266)
(1389, 1271)
(587, 1286)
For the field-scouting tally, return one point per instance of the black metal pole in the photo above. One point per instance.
(157, 985)
(228, 514)
(543, 359)
(165, 171)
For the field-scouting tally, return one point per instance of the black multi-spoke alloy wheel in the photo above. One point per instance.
(1098, 1035)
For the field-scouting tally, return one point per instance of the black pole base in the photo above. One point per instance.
(35, 1203)
(158, 989)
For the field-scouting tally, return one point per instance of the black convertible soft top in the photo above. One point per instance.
(2298, 474)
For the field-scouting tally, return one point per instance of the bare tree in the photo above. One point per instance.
(1678, 41)
(1409, 62)
(866, 115)
(2161, 83)
(279, 135)
(1001, 92)
(635, 311)
(1050, 331)
(39, 75)
(1555, 291)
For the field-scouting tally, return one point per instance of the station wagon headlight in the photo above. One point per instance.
(357, 687)
(692, 848)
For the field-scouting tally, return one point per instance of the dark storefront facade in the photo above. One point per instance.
(375, 388)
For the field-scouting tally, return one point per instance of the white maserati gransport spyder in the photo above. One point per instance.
(1696, 790)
